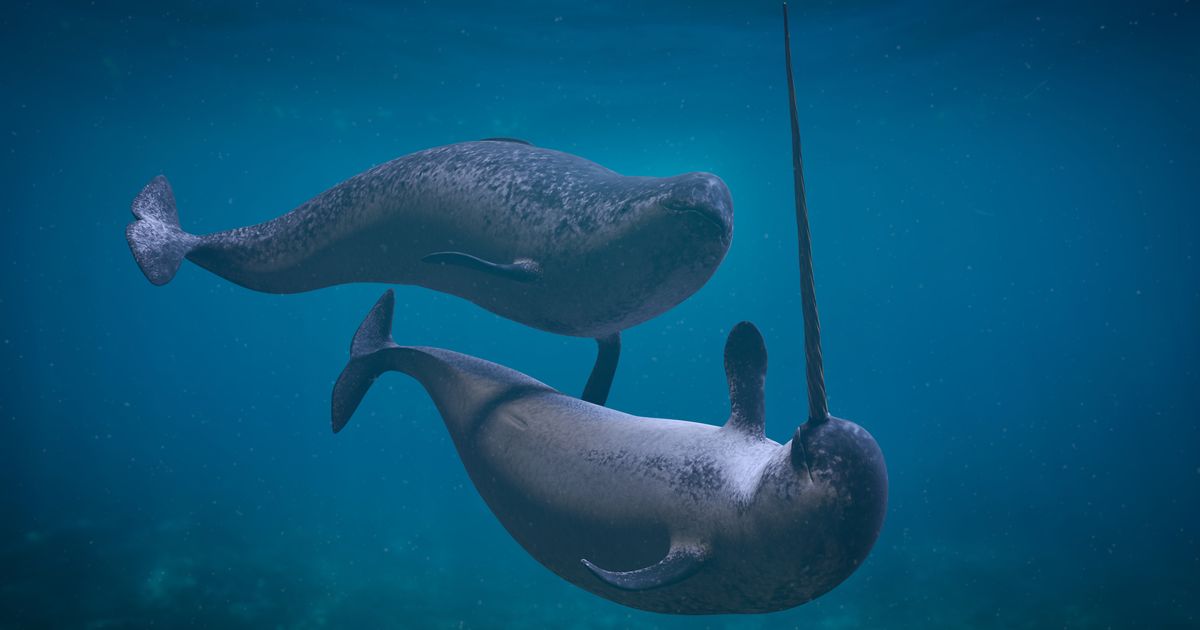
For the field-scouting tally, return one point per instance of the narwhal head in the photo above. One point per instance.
(821, 497)
(666, 238)
(817, 512)
(844, 469)
(683, 222)
(698, 203)
(694, 206)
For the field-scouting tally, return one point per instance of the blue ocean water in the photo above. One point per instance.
(1004, 212)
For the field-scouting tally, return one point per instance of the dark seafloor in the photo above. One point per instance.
(1005, 223)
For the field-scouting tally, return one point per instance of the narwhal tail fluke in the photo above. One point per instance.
(367, 360)
(158, 243)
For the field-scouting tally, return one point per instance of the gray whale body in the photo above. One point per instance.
(538, 236)
(663, 515)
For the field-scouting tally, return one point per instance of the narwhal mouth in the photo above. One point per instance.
(709, 214)
(703, 195)
(711, 219)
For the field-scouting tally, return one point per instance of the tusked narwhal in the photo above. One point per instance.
(663, 515)
(539, 236)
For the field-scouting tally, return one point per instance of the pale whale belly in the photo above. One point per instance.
(569, 485)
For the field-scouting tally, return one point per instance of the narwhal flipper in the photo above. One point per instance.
(519, 270)
(681, 562)
(155, 238)
(600, 380)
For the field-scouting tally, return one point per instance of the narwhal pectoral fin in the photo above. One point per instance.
(600, 380)
(520, 270)
(681, 562)
(373, 336)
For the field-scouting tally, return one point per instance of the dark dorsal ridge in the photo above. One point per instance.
(503, 139)
(818, 404)
(746, 369)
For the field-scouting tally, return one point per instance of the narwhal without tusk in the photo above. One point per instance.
(541, 237)
(662, 515)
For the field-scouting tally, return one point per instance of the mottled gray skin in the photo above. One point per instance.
(610, 251)
(762, 526)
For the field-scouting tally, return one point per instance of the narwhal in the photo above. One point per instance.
(663, 515)
(539, 236)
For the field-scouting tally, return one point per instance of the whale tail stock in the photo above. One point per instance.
(461, 387)
(158, 243)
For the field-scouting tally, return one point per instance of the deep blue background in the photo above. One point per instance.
(1004, 208)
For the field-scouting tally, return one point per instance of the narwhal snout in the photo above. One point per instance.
(841, 454)
(706, 196)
